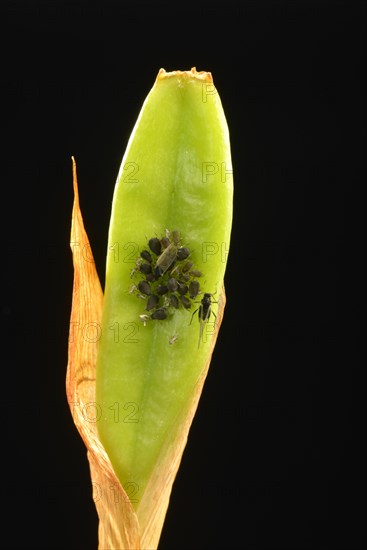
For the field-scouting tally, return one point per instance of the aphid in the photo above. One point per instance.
(194, 288)
(161, 289)
(185, 302)
(182, 289)
(187, 266)
(145, 268)
(152, 302)
(183, 253)
(171, 252)
(166, 259)
(144, 287)
(165, 242)
(172, 284)
(155, 246)
(195, 273)
(185, 277)
(159, 314)
(174, 301)
(150, 277)
(176, 237)
(146, 255)
(204, 312)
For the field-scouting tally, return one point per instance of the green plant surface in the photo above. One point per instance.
(176, 174)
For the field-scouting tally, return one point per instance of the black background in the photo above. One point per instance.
(276, 453)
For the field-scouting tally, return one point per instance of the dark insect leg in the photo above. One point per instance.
(193, 315)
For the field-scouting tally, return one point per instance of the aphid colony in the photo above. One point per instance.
(165, 277)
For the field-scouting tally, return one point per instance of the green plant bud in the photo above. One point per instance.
(176, 175)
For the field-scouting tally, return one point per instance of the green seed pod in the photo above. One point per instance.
(176, 174)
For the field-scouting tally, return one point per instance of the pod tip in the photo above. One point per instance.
(75, 180)
(193, 73)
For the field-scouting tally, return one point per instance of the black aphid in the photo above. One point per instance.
(182, 288)
(152, 302)
(145, 268)
(194, 288)
(187, 267)
(146, 255)
(151, 277)
(176, 237)
(183, 253)
(174, 301)
(159, 314)
(165, 242)
(195, 273)
(172, 284)
(161, 289)
(155, 246)
(144, 287)
(185, 302)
